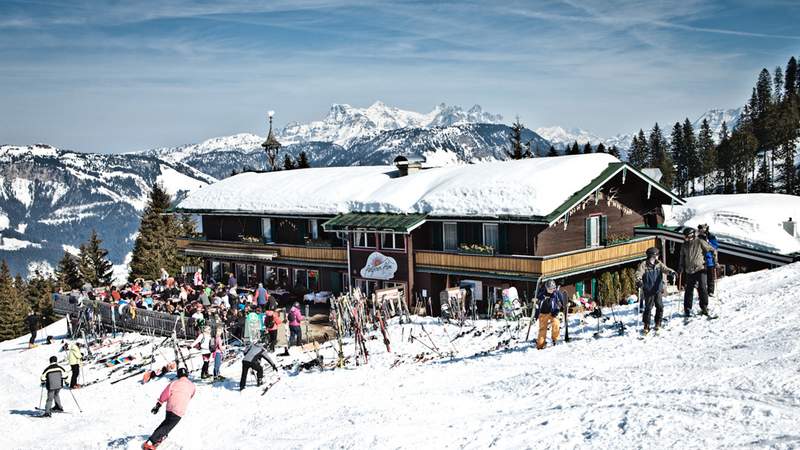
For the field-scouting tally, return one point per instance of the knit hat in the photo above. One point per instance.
(53, 359)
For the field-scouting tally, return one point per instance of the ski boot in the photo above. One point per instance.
(57, 409)
(45, 414)
(148, 446)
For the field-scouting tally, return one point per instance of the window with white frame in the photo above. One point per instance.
(490, 235)
(266, 229)
(593, 231)
(364, 238)
(450, 236)
(393, 241)
(313, 229)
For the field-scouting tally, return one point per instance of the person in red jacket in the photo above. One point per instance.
(176, 395)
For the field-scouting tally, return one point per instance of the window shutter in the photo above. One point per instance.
(603, 230)
(587, 232)
(437, 240)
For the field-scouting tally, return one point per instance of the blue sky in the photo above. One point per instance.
(110, 76)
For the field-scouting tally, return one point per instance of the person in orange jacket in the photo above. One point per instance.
(272, 321)
(176, 395)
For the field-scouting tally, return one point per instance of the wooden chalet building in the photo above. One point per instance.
(488, 225)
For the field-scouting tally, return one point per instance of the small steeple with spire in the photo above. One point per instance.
(271, 145)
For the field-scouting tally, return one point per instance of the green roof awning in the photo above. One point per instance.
(399, 223)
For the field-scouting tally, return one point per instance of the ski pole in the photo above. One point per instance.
(75, 400)
(41, 394)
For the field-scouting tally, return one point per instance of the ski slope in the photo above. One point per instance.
(726, 383)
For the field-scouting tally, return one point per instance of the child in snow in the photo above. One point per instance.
(176, 395)
(551, 300)
(650, 278)
(53, 379)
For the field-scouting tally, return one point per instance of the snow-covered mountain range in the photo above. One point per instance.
(51, 199)
(716, 117)
(561, 138)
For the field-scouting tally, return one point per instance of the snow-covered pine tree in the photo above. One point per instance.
(94, 266)
(708, 156)
(12, 310)
(67, 273)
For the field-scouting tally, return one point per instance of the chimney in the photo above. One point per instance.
(790, 227)
(408, 164)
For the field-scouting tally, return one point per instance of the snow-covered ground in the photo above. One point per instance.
(731, 382)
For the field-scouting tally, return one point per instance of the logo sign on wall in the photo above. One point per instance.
(379, 267)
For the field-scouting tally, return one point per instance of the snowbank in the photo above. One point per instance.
(532, 187)
(750, 220)
(726, 383)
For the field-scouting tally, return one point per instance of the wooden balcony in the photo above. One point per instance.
(551, 266)
(257, 251)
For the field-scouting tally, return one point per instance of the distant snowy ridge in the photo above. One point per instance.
(716, 117)
(561, 138)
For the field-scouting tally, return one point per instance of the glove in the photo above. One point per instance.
(156, 408)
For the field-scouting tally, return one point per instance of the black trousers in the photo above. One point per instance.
(76, 370)
(699, 280)
(166, 426)
(33, 336)
(273, 339)
(246, 366)
(649, 301)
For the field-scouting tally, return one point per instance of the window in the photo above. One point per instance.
(490, 235)
(393, 241)
(313, 280)
(216, 272)
(450, 232)
(313, 229)
(266, 229)
(593, 231)
(364, 239)
(283, 277)
(269, 277)
(367, 287)
(300, 280)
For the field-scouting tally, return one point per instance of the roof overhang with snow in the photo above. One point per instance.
(396, 223)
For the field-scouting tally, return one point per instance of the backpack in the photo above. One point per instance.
(269, 321)
(652, 281)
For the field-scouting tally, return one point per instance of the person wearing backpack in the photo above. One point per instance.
(272, 321)
(295, 318)
(204, 343)
(711, 260)
(650, 278)
(551, 300)
(692, 262)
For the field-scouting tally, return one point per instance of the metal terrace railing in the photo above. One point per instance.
(146, 322)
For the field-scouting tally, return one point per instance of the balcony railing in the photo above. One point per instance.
(261, 251)
(548, 266)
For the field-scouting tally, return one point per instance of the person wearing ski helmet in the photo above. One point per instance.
(650, 279)
(550, 302)
(176, 395)
(692, 263)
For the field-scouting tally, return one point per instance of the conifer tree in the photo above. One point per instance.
(519, 149)
(601, 148)
(679, 155)
(638, 154)
(574, 149)
(302, 161)
(744, 146)
(616, 287)
(725, 161)
(614, 151)
(587, 148)
(790, 79)
(94, 266)
(606, 294)
(708, 156)
(288, 163)
(692, 159)
(12, 310)
(658, 149)
(67, 273)
(552, 151)
(777, 81)
(39, 295)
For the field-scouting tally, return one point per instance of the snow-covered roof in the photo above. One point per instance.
(749, 220)
(523, 188)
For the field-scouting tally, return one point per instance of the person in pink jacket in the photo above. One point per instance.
(295, 318)
(176, 395)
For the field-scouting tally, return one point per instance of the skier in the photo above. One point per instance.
(711, 263)
(252, 354)
(203, 342)
(176, 395)
(53, 379)
(33, 326)
(692, 263)
(75, 360)
(294, 317)
(551, 300)
(272, 321)
(218, 353)
(650, 277)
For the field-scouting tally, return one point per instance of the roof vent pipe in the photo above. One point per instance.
(408, 164)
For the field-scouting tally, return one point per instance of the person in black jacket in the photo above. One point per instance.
(551, 300)
(33, 326)
(252, 354)
(53, 379)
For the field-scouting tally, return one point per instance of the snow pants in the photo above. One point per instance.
(649, 301)
(52, 395)
(33, 336)
(166, 426)
(544, 321)
(698, 280)
(296, 335)
(76, 369)
(273, 339)
(246, 366)
(711, 276)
